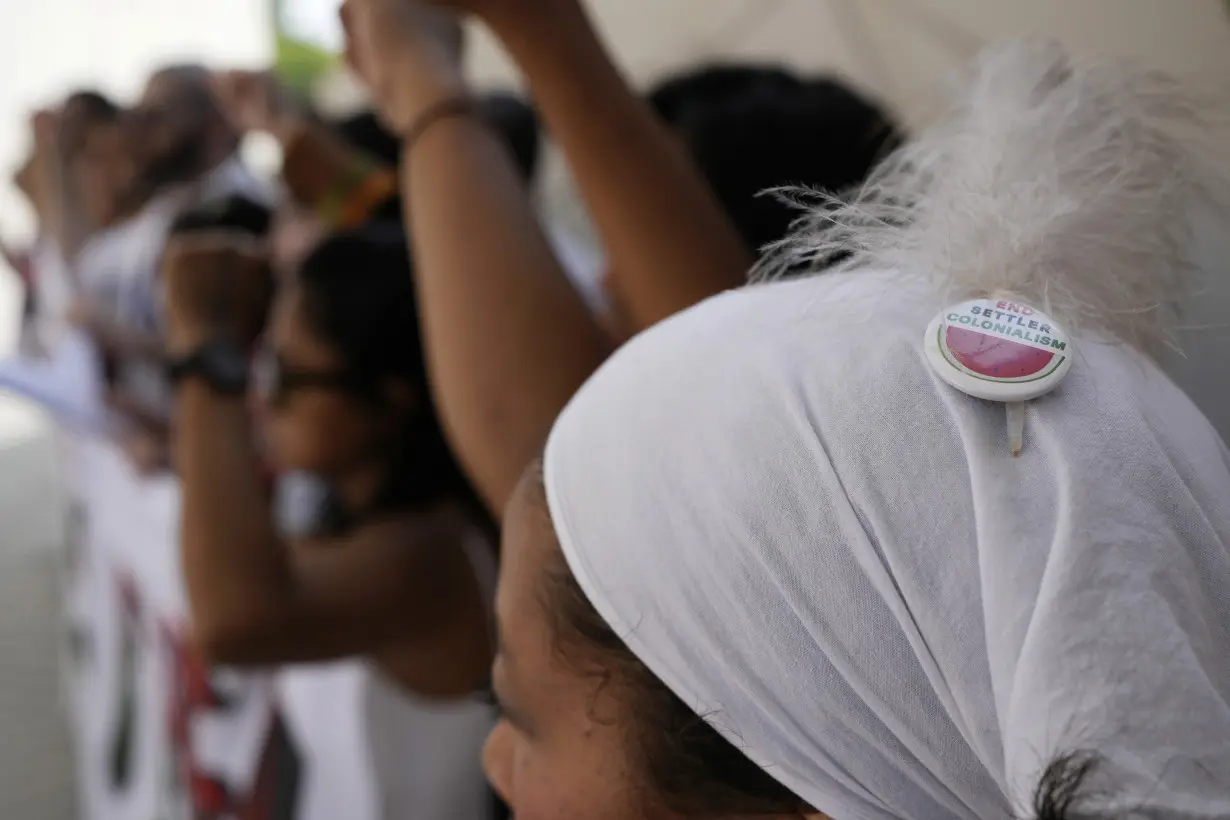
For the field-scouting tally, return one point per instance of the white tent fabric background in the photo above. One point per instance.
(896, 49)
(901, 51)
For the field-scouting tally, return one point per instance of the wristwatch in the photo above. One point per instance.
(220, 364)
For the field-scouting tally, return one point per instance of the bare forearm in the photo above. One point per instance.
(232, 558)
(256, 600)
(508, 338)
(667, 238)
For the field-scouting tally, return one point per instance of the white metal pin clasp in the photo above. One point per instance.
(1000, 349)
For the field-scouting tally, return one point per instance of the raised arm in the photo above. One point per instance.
(508, 339)
(341, 183)
(397, 590)
(666, 236)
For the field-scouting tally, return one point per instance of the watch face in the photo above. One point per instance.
(224, 366)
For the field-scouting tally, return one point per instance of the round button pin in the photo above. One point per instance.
(1000, 350)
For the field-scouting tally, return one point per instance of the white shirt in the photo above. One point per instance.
(52, 293)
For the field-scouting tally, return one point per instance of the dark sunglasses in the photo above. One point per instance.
(277, 382)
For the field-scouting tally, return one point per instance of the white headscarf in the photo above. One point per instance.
(831, 554)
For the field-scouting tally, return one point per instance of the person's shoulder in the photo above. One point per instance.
(432, 527)
(392, 527)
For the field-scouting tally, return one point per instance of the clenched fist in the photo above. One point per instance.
(218, 287)
(407, 53)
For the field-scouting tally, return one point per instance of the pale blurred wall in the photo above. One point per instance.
(50, 46)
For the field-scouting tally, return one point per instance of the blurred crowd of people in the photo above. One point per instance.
(352, 370)
(112, 186)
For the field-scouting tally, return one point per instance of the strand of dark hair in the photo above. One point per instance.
(359, 296)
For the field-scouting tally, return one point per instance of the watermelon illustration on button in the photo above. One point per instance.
(1000, 349)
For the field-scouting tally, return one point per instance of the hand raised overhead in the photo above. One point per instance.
(218, 286)
(407, 53)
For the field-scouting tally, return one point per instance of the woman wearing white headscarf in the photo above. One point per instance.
(774, 564)
(825, 551)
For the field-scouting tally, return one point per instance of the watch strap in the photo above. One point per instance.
(219, 364)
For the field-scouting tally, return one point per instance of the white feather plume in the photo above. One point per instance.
(1064, 182)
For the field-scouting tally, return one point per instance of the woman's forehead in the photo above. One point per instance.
(527, 553)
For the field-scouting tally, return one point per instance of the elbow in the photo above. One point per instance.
(232, 641)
